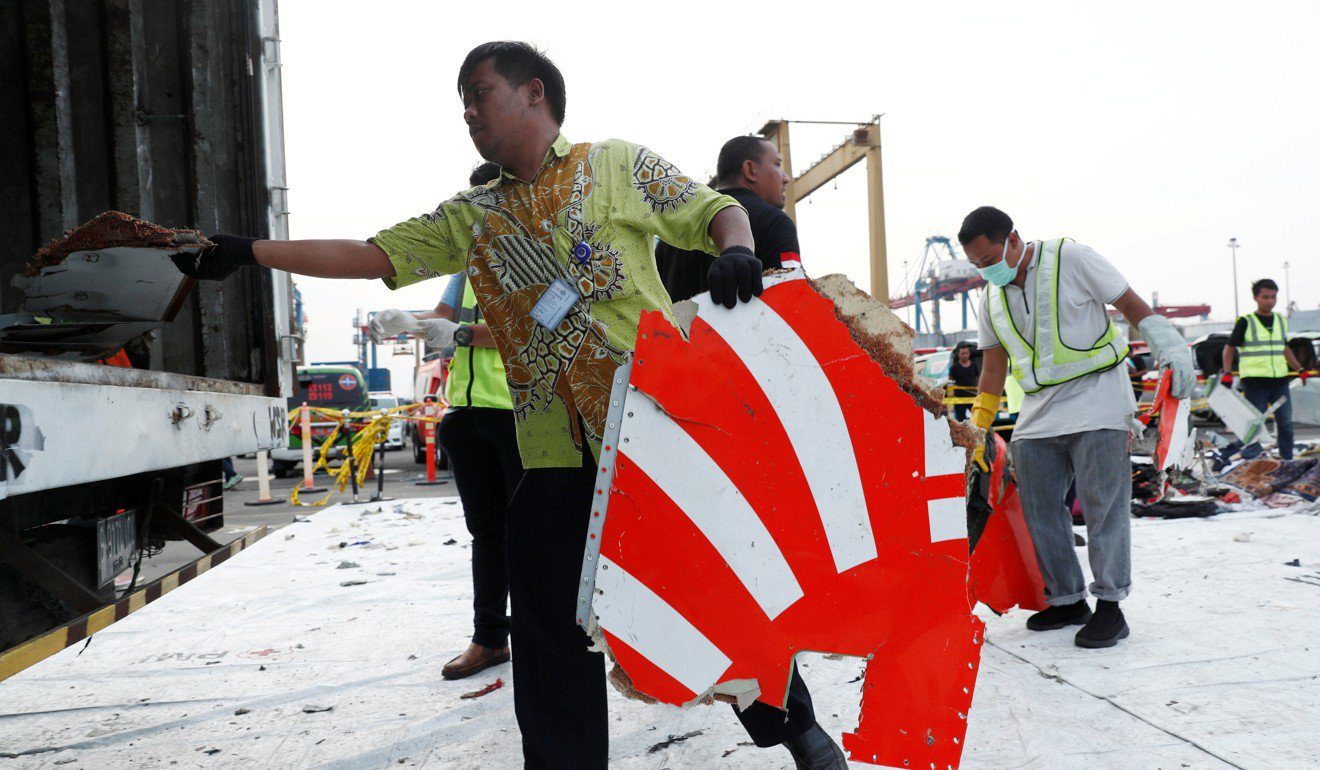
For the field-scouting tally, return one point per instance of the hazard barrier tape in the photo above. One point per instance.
(37, 649)
(372, 428)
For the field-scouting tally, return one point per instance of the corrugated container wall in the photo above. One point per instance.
(150, 107)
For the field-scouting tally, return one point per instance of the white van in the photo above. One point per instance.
(394, 440)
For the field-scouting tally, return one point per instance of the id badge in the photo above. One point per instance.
(554, 304)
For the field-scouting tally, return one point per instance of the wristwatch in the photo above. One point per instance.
(463, 336)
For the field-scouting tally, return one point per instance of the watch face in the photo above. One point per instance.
(463, 335)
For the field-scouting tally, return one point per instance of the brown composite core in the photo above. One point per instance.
(104, 231)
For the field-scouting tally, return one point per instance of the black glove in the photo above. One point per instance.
(218, 262)
(735, 276)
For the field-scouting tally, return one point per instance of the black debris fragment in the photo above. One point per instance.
(671, 740)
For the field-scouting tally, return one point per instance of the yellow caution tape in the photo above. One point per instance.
(363, 444)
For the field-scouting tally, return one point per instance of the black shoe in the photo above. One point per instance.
(1059, 616)
(815, 750)
(1105, 628)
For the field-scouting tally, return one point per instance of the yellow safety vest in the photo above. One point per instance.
(1261, 354)
(1050, 361)
(476, 375)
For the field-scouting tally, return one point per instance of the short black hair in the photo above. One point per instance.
(1264, 283)
(483, 173)
(735, 153)
(519, 62)
(989, 221)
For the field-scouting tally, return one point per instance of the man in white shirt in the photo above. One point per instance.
(1045, 311)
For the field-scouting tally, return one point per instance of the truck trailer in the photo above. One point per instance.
(170, 111)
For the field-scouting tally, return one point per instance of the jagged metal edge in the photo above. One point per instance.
(609, 452)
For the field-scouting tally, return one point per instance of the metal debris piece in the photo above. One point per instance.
(113, 268)
(815, 501)
(79, 341)
(1005, 573)
(671, 740)
(1239, 416)
(1306, 401)
(316, 709)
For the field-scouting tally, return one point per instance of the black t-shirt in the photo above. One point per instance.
(684, 272)
(965, 376)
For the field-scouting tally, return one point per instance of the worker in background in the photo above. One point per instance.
(749, 170)
(479, 438)
(559, 255)
(1260, 341)
(1045, 311)
(964, 374)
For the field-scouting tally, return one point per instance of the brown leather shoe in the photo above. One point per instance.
(475, 658)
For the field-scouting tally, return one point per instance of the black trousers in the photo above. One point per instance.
(558, 686)
(768, 726)
(482, 447)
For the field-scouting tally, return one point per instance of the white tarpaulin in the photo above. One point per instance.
(1222, 666)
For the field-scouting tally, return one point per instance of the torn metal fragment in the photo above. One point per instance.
(1005, 573)
(113, 268)
(777, 480)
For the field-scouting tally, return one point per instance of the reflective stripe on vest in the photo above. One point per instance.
(1051, 361)
(476, 375)
(1261, 354)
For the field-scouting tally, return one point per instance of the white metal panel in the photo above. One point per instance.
(634, 613)
(948, 519)
(942, 457)
(1306, 402)
(802, 396)
(70, 433)
(697, 485)
(1239, 416)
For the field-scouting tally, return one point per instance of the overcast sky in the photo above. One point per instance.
(1153, 132)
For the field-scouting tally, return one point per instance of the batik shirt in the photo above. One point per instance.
(515, 238)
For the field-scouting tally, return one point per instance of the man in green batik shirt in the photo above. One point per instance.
(559, 254)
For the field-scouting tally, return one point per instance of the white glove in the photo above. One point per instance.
(389, 324)
(1170, 351)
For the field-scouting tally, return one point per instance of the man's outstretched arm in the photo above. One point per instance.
(325, 258)
(317, 258)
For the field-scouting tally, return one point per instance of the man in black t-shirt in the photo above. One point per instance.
(964, 376)
(750, 171)
(1260, 341)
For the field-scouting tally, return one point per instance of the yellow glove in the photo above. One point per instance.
(984, 408)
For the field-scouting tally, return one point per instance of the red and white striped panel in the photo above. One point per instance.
(773, 492)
